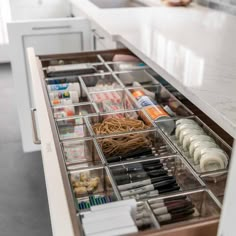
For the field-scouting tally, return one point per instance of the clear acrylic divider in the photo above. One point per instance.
(188, 208)
(119, 122)
(81, 154)
(137, 145)
(144, 179)
(91, 187)
(194, 140)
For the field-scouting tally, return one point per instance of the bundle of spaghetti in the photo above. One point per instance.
(118, 125)
(124, 144)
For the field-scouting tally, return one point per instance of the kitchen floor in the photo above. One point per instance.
(23, 198)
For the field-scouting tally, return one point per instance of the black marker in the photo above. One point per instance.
(135, 168)
(148, 188)
(134, 177)
(144, 182)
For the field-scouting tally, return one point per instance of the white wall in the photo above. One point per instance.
(39, 9)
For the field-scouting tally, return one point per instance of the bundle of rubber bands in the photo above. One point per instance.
(118, 125)
(124, 144)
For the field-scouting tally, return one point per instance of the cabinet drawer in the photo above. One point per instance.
(89, 116)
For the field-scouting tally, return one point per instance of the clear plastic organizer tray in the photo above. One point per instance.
(92, 186)
(113, 100)
(216, 183)
(142, 216)
(145, 179)
(139, 145)
(134, 78)
(71, 59)
(74, 111)
(119, 122)
(202, 148)
(159, 95)
(73, 128)
(100, 82)
(187, 208)
(81, 153)
(125, 66)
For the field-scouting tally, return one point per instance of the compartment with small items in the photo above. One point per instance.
(136, 78)
(146, 179)
(91, 187)
(102, 82)
(72, 128)
(159, 104)
(188, 208)
(202, 148)
(118, 218)
(119, 122)
(113, 100)
(139, 145)
(73, 111)
(83, 153)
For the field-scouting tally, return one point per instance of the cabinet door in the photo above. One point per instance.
(52, 36)
(101, 40)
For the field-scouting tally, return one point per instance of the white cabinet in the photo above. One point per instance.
(47, 37)
(39, 9)
(101, 40)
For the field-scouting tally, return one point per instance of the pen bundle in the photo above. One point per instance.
(144, 180)
(173, 210)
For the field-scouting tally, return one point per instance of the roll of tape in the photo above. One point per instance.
(190, 131)
(201, 150)
(181, 127)
(195, 143)
(213, 160)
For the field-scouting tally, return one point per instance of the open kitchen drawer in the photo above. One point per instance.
(73, 146)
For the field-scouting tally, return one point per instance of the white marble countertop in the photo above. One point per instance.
(193, 48)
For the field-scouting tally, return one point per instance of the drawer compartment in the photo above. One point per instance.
(147, 179)
(119, 122)
(140, 145)
(190, 208)
(81, 153)
(197, 143)
(91, 187)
